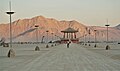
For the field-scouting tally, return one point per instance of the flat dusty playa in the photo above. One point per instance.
(59, 58)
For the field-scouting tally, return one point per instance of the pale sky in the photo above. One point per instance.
(88, 12)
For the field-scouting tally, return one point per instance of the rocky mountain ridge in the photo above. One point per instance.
(24, 29)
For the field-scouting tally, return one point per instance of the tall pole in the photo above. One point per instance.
(47, 39)
(95, 35)
(11, 52)
(95, 38)
(47, 35)
(107, 47)
(107, 32)
(56, 37)
(37, 32)
(37, 48)
(10, 13)
(42, 39)
(85, 38)
(89, 37)
(10, 32)
(52, 39)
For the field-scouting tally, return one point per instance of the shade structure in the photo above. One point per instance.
(69, 30)
(69, 35)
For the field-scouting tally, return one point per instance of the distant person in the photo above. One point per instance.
(68, 44)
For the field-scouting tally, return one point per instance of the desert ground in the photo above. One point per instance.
(60, 58)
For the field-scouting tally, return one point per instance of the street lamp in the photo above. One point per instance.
(47, 39)
(89, 37)
(55, 39)
(52, 39)
(107, 47)
(11, 52)
(42, 39)
(82, 38)
(95, 38)
(36, 26)
(37, 48)
(85, 39)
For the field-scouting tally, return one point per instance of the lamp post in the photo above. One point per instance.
(85, 39)
(107, 31)
(107, 47)
(89, 37)
(37, 48)
(95, 38)
(11, 52)
(36, 26)
(52, 36)
(52, 39)
(42, 39)
(55, 39)
(47, 39)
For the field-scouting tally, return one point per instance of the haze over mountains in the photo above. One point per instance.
(24, 29)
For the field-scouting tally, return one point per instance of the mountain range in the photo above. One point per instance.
(25, 30)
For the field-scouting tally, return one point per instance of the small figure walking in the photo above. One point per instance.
(68, 43)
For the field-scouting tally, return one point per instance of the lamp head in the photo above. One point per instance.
(10, 13)
(107, 25)
(36, 26)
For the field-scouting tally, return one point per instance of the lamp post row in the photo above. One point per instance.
(10, 13)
